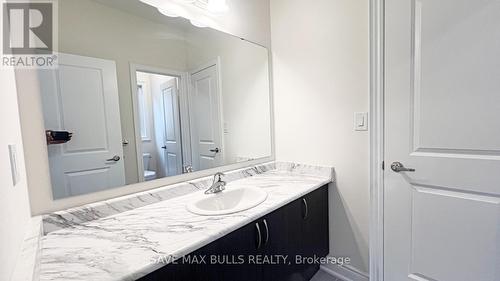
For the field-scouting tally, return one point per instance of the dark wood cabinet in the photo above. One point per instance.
(276, 245)
(235, 248)
(315, 232)
(257, 251)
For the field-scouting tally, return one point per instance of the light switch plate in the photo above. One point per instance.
(361, 121)
(13, 164)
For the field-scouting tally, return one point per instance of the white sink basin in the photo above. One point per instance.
(228, 201)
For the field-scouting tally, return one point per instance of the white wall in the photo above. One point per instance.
(14, 203)
(248, 19)
(321, 77)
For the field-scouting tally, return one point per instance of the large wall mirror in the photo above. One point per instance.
(139, 96)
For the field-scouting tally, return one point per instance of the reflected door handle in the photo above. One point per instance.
(216, 150)
(399, 167)
(115, 158)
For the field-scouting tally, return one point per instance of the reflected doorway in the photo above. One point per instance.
(159, 125)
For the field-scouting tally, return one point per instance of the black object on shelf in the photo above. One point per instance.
(58, 137)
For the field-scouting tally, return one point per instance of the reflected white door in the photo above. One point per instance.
(81, 97)
(205, 115)
(442, 102)
(172, 152)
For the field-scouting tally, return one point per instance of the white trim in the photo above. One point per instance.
(344, 273)
(377, 140)
(270, 67)
(144, 111)
(137, 130)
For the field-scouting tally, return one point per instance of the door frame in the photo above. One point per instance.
(217, 63)
(184, 117)
(377, 19)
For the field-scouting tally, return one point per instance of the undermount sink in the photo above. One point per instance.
(228, 201)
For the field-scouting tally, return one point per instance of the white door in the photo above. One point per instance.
(442, 118)
(172, 129)
(205, 115)
(81, 97)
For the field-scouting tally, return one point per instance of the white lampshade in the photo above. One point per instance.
(217, 6)
(197, 23)
(168, 13)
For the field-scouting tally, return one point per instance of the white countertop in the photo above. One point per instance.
(124, 246)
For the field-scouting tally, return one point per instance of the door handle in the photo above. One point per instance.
(267, 232)
(164, 147)
(215, 150)
(259, 236)
(115, 158)
(399, 167)
(306, 213)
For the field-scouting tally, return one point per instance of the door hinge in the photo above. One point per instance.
(383, 165)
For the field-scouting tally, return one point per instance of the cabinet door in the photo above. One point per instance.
(235, 247)
(200, 266)
(220, 260)
(276, 231)
(315, 231)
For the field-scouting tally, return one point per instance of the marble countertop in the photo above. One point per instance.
(125, 245)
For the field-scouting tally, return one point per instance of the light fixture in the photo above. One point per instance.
(168, 13)
(201, 13)
(198, 23)
(217, 6)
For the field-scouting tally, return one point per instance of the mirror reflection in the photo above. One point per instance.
(139, 96)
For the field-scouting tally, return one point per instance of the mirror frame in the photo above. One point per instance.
(36, 155)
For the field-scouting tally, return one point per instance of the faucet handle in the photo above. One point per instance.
(218, 177)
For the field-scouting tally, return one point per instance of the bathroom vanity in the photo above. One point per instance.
(277, 246)
(145, 236)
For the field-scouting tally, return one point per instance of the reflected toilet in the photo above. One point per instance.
(148, 174)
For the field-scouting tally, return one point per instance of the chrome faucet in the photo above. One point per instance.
(218, 184)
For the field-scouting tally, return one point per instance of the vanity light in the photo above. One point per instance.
(217, 6)
(168, 13)
(201, 13)
(198, 23)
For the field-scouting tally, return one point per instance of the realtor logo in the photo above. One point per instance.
(28, 29)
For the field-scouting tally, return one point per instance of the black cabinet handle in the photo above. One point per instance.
(267, 232)
(306, 213)
(259, 236)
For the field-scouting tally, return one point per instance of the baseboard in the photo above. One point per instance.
(345, 273)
